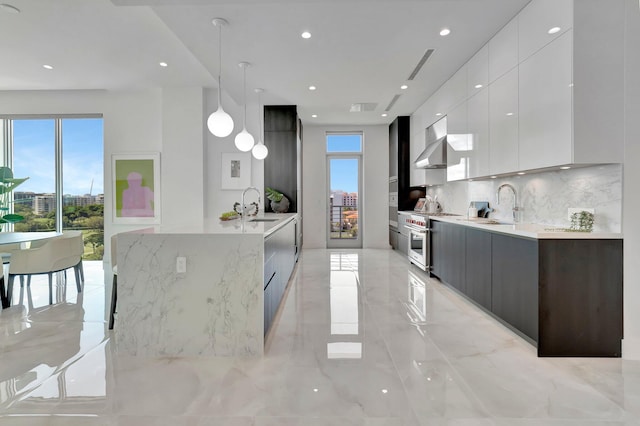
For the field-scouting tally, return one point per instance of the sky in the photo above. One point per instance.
(82, 155)
(344, 172)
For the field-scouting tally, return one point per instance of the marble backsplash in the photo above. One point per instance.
(545, 197)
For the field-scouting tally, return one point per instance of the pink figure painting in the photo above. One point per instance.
(137, 200)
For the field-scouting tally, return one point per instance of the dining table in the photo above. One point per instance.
(24, 240)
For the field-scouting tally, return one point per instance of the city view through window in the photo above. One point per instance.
(32, 143)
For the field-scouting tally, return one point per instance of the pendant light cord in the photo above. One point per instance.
(244, 96)
(260, 117)
(219, 65)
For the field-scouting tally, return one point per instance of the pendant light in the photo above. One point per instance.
(244, 141)
(260, 151)
(220, 123)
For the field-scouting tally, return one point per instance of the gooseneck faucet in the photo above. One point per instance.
(515, 207)
(244, 207)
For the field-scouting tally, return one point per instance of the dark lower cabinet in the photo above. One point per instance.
(280, 258)
(580, 298)
(565, 295)
(514, 269)
(438, 258)
(478, 267)
(448, 253)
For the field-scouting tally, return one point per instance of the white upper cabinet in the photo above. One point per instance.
(503, 51)
(457, 143)
(478, 133)
(542, 21)
(453, 91)
(478, 71)
(503, 124)
(545, 92)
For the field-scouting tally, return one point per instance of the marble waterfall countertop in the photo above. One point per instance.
(527, 230)
(214, 307)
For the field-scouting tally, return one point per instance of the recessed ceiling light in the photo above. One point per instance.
(305, 34)
(478, 86)
(509, 114)
(565, 167)
(493, 177)
(49, 67)
(384, 114)
(314, 115)
(164, 64)
(445, 32)
(553, 30)
(312, 87)
(404, 86)
(9, 8)
(384, 391)
(521, 173)
(438, 114)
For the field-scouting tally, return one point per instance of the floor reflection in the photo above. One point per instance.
(48, 351)
(345, 305)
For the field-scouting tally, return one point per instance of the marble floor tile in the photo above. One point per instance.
(362, 339)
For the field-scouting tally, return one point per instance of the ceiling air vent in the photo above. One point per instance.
(363, 107)
(392, 103)
(421, 63)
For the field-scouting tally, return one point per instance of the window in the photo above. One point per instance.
(62, 159)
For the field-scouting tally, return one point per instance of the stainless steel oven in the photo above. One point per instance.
(418, 244)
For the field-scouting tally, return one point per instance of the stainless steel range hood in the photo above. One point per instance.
(434, 156)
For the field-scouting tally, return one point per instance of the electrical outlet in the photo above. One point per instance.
(573, 210)
(181, 265)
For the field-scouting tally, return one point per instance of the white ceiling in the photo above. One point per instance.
(360, 50)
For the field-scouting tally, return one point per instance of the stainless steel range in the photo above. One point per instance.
(419, 250)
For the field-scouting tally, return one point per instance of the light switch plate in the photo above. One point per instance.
(181, 265)
(573, 210)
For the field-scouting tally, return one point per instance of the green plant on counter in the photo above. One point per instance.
(7, 184)
(582, 222)
(273, 195)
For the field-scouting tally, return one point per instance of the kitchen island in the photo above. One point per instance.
(560, 290)
(199, 291)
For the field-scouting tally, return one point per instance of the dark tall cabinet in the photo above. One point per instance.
(399, 161)
(282, 167)
(401, 195)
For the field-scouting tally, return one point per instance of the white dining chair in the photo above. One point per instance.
(56, 254)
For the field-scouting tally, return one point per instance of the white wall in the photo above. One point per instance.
(631, 207)
(182, 157)
(374, 219)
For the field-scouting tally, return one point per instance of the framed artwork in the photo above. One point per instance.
(236, 170)
(136, 188)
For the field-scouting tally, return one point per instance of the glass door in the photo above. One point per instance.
(344, 202)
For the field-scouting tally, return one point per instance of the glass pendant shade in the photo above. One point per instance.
(260, 151)
(220, 123)
(244, 141)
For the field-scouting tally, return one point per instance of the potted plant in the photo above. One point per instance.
(7, 184)
(279, 203)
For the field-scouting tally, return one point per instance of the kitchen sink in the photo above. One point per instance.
(264, 220)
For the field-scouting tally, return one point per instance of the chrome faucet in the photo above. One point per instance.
(515, 208)
(244, 207)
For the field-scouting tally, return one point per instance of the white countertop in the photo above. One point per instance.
(235, 226)
(528, 230)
